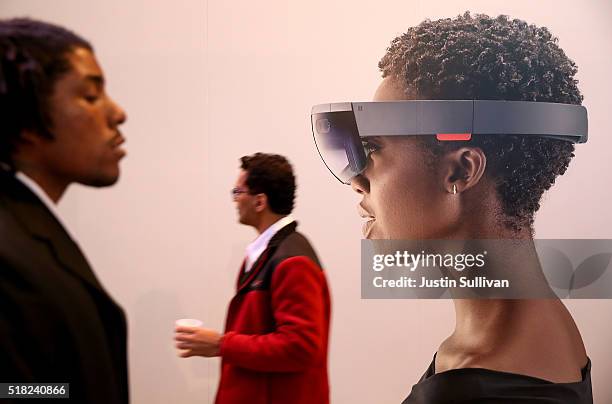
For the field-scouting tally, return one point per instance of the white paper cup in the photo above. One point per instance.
(188, 322)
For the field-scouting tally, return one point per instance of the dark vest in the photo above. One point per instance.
(286, 243)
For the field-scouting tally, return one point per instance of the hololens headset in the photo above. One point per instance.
(338, 128)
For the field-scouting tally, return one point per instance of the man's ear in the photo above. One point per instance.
(261, 202)
(31, 138)
(463, 168)
(27, 145)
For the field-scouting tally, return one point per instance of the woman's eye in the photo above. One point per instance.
(369, 146)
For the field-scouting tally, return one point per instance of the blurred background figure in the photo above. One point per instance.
(275, 345)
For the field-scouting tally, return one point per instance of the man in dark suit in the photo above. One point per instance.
(57, 126)
(274, 350)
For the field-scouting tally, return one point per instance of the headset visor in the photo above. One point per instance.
(338, 128)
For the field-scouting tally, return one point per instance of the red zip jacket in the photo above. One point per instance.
(274, 350)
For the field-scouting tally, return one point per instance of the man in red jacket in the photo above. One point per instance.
(274, 349)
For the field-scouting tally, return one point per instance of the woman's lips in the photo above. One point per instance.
(367, 226)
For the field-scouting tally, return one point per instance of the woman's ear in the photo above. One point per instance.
(463, 168)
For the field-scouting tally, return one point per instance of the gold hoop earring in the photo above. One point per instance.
(454, 189)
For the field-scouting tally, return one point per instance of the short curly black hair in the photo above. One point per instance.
(484, 58)
(33, 55)
(272, 175)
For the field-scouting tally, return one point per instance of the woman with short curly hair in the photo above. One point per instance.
(417, 187)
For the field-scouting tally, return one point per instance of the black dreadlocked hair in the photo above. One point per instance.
(484, 58)
(33, 55)
(271, 174)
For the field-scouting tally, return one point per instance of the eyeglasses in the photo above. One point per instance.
(237, 191)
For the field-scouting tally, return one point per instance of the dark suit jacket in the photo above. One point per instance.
(57, 324)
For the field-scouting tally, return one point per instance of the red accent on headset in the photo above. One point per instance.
(453, 136)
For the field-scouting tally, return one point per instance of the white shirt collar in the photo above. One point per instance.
(44, 198)
(258, 246)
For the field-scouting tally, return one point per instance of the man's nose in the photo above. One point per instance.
(118, 114)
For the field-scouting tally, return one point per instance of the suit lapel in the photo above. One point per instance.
(43, 226)
(246, 278)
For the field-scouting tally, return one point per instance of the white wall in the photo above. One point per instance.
(205, 82)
